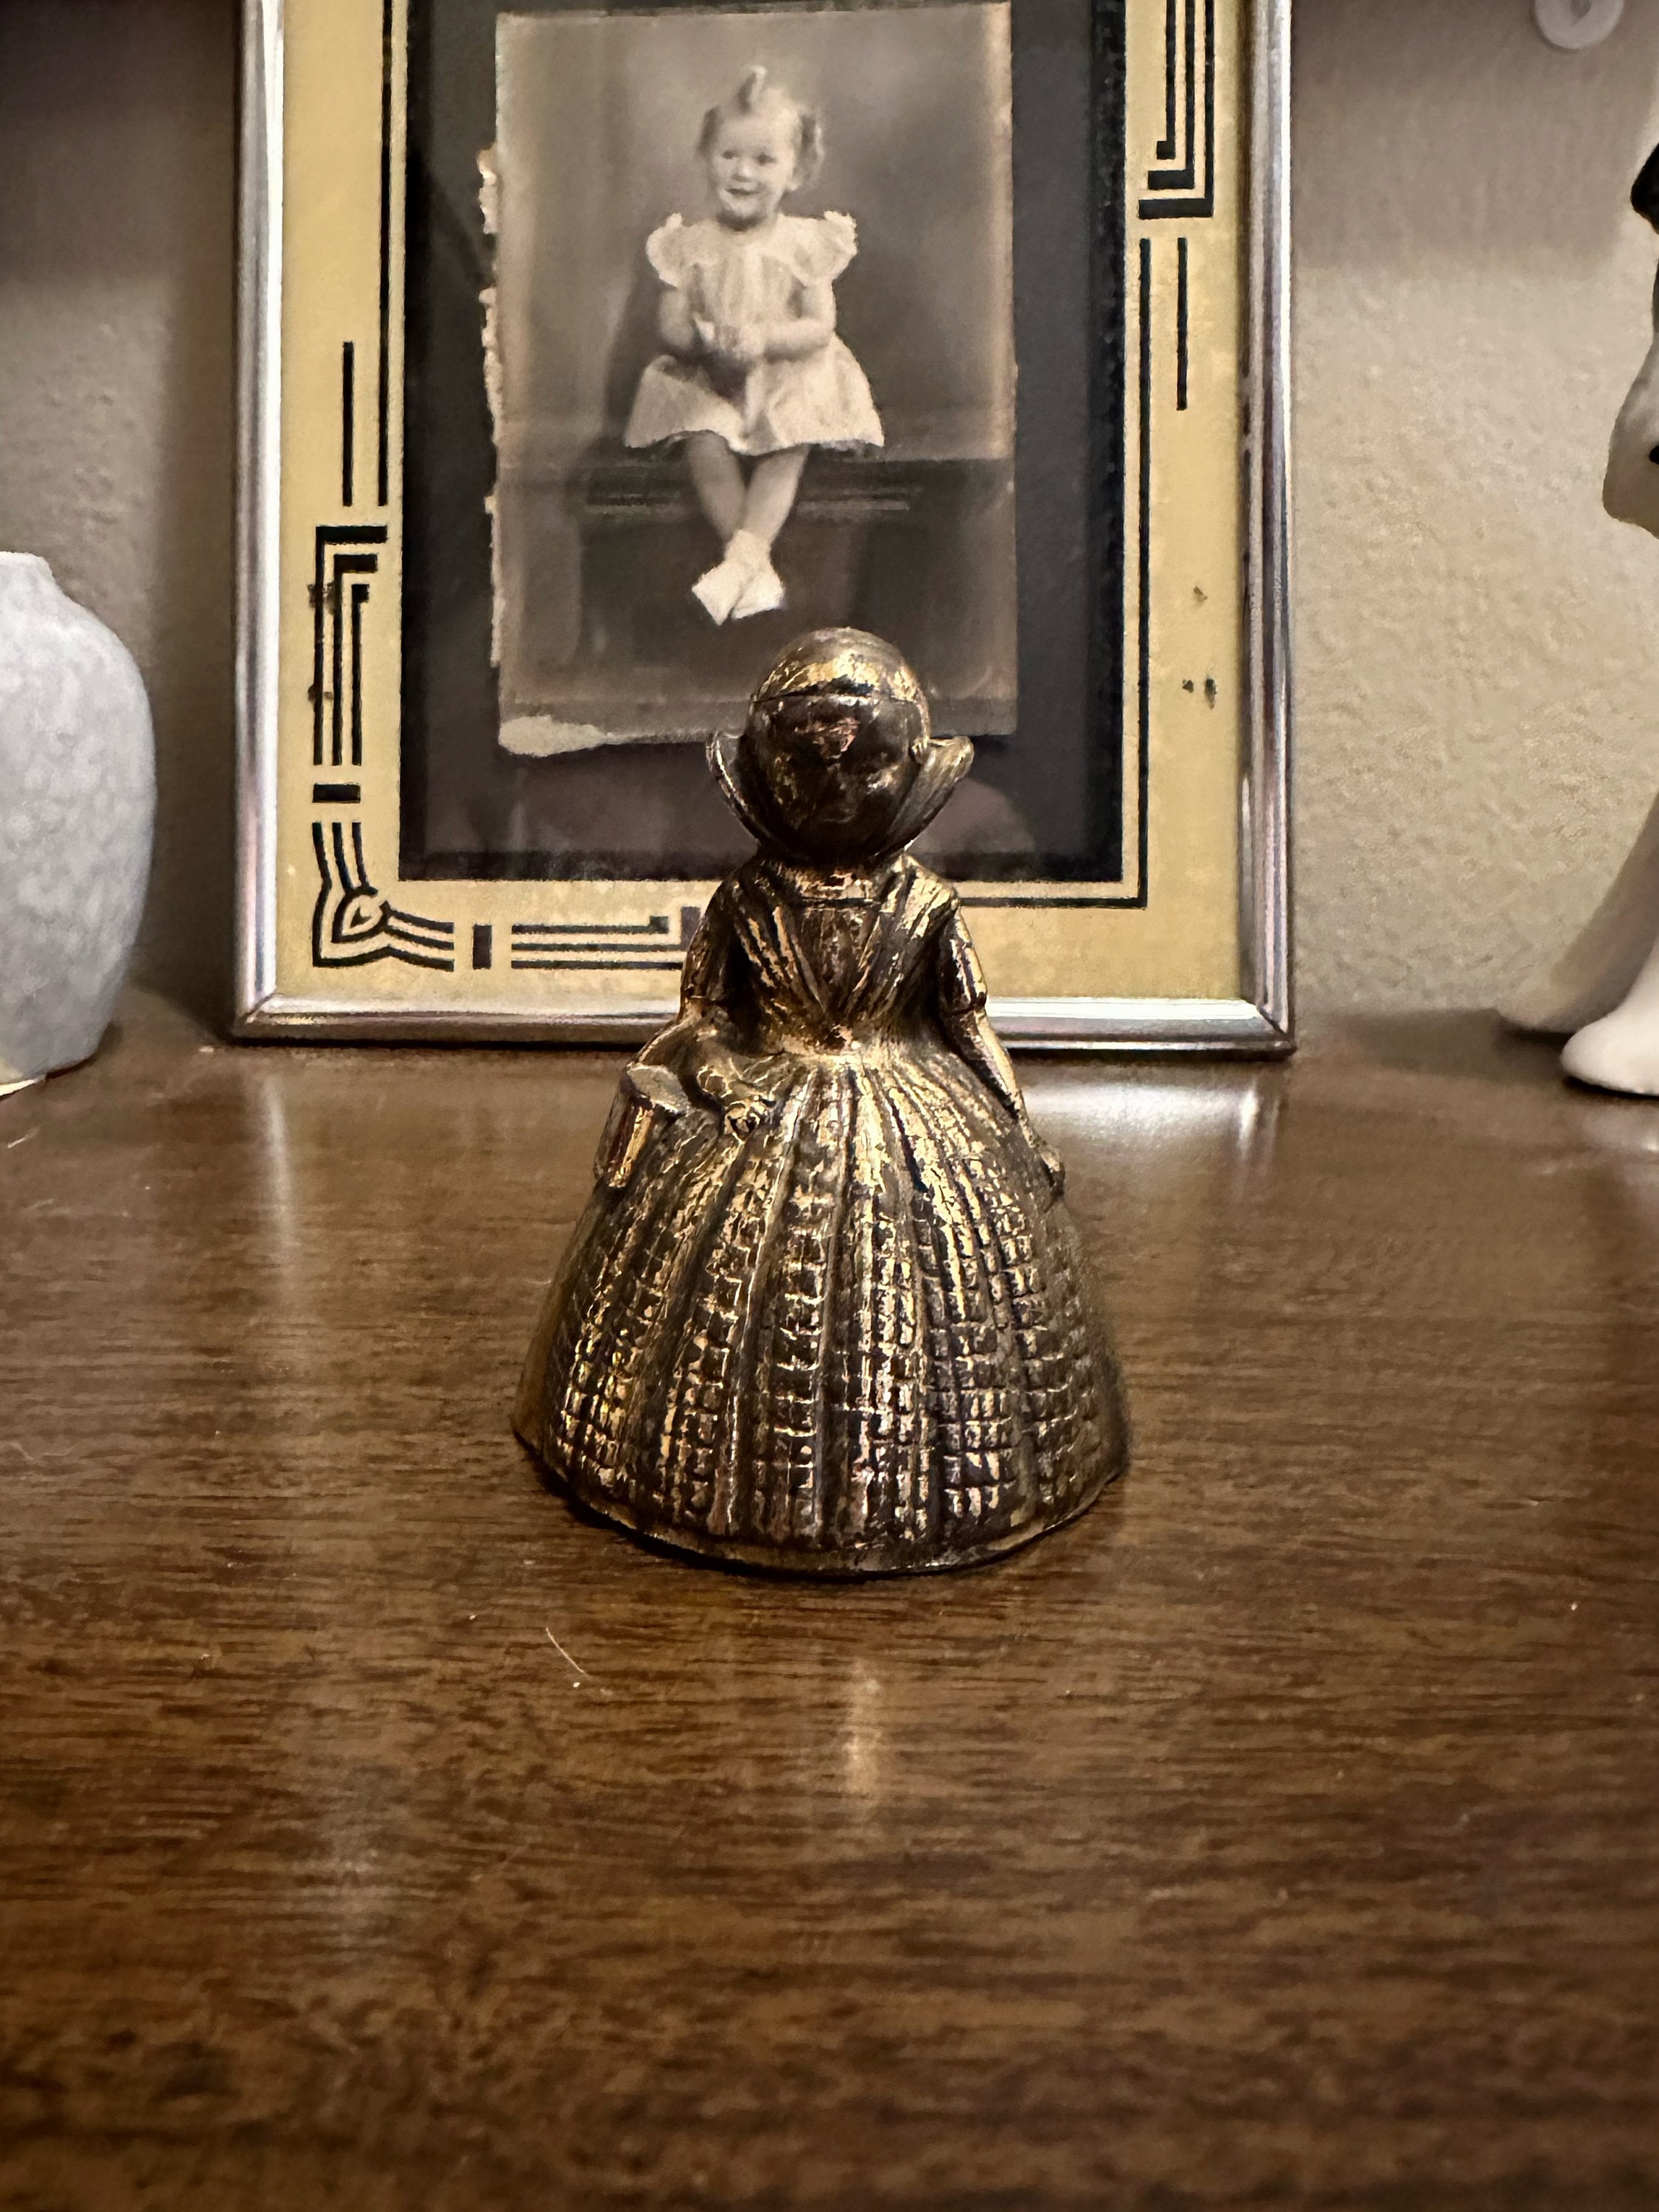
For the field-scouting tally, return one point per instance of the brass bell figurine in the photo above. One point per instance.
(826, 1312)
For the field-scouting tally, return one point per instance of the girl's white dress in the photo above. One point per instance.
(729, 277)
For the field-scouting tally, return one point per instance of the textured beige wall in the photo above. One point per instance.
(117, 351)
(1478, 648)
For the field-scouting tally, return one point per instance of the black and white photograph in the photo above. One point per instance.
(754, 365)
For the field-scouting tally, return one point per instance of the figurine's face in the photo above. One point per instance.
(751, 162)
(838, 770)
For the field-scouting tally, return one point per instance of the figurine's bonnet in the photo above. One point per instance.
(853, 674)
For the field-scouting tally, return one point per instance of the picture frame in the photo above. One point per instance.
(406, 870)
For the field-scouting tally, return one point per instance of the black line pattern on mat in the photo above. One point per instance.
(1185, 191)
(353, 924)
(652, 944)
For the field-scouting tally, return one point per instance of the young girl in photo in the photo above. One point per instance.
(754, 370)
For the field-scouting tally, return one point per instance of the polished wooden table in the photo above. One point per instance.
(377, 1834)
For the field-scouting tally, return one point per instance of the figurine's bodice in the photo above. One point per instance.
(803, 959)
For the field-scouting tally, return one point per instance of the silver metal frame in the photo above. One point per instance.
(258, 498)
(1265, 781)
(1261, 1022)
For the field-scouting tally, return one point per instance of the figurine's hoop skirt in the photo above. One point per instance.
(857, 1341)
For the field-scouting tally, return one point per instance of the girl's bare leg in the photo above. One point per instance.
(771, 494)
(717, 479)
(745, 582)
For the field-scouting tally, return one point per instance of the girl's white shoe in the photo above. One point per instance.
(719, 590)
(763, 594)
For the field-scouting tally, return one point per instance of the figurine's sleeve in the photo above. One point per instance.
(961, 988)
(710, 976)
(960, 978)
(709, 982)
(650, 1092)
(960, 997)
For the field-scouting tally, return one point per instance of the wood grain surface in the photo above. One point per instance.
(377, 1834)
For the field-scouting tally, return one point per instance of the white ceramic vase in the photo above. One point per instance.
(78, 807)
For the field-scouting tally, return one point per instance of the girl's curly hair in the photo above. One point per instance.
(755, 92)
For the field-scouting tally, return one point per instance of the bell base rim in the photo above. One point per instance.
(871, 1563)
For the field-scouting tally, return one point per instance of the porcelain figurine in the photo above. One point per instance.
(77, 801)
(1605, 987)
(826, 1311)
